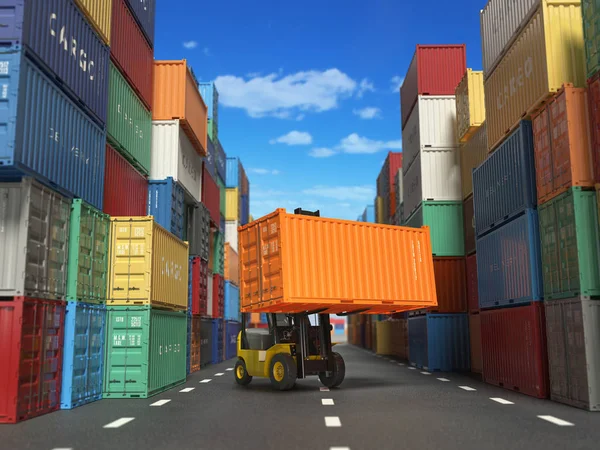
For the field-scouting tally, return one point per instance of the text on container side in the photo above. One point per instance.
(84, 64)
(515, 83)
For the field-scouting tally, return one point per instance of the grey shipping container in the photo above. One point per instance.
(221, 161)
(34, 239)
(46, 135)
(504, 185)
(206, 338)
(59, 38)
(145, 15)
(198, 230)
(573, 337)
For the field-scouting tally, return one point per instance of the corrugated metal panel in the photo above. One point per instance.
(174, 156)
(445, 222)
(369, 215)
(500, 22)
(120, 176)
(148, 265)
(193, 344)
(431, 124)
(194, 283)
(594, 105)
(211, 197)
(573, 331)
(34, 233)
(231, 233)
(218, 247)
(59, 38)
(218, 297)
(547, 53)
(245, 204)
(379, 216)
(399, 188)
(450, 285)
(233, 175)
(472, 154)
(513, 342)
(209, 159)
(391, 279)
(89, 232)
(145, 12)
(570, 239)
(475, 338)
(220, 161)
(99, 14)
(209, 284)
(434, 70)
(166, 204)
(217, 341)
(83, 354)
(231, 265)
(434, 176)
(504, 185)
(129, 124)
(232, 329)
(232, 301)
(469, 224)
(46, 135)
(198, 232)
(472, 286)
(231, 207)
(591, 16)
(210, 95)
(508, 263)
(470, 105)
(205, 342)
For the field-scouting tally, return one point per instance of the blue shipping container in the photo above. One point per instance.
(56, 35)
(217, 340)
(210, 95)
(83, 354)
(439, 342)
(232, 302)
(46, 135)
(166, 202)
(504, 185)
(509, 269)
(232, 329)
(209, 159)
(245, 209)
(232, 177)
(220, 161)
(144, 12)
(369, 214)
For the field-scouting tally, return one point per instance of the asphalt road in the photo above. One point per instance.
(381, 405)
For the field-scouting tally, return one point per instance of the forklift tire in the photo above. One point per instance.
(241, 374)
(338, 375)
(283, 372)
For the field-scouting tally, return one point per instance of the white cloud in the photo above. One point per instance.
(300, 117)
(260, 171)
(368, 113)
(293, 138)
(275, 95)
(396, 83)
(190, 44)
(322, 152)
(365, 86)
(342, 193)
(354, 143)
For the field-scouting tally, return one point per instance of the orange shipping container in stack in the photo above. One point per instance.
(232, 265)
(451, 284)
(561, 141)
(338, 265)
(176, 96)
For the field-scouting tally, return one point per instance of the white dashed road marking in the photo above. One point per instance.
(501, 401)
(327, 401)
(187, 390)
(557, 421)
(467, 388)
(160, 403)
(324, 389)
(333, 421)
(119, 422)
(411, 368)
(443, 379)
(207, 380)
(219, 374)
(426, 373)
(400, 364)
(68, 448)
(339, 448)
(229, 370)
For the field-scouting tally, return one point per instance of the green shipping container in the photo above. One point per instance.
(445, 222)
(129, 123)
(146, 351)
(212, 131)
(87, 265)
(570, 245)
(219, 253)
(223, 197)
(591, 33)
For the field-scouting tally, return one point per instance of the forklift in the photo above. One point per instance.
(290, 348)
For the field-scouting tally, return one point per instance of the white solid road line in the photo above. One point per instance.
(229, 370)
(206, 380)
(501, 401)
(187, 390)
(332, 421)
(119, 422)
(557, 421)
(219, 374)
(324, 389)
(327, 401)
(426, 373)
(467, 388)
(160, 403)
(443, 379)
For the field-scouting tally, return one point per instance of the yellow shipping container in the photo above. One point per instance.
(470, 104)
(548, 52)
(148, 265)
(99, 13)
(379, 209)
(472, 154)
(232, 202)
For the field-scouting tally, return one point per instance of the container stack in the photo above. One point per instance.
(385, 203)
(432, 196)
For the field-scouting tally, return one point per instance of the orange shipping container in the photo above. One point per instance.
(475, 336)
(563, 155)
(296, 263)
(176, 96)
(451, 284)
(232, 265)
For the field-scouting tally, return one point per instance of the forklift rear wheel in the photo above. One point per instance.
(283, 372)
(338, 374)
(241, 374)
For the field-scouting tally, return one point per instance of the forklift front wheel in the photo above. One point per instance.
(241, 374)
(283, 372)
(338, 374)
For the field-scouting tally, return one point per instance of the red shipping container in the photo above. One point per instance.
(594, 106)
(475, 338)
(211, 197)
(125, 189)
(203, 287)
(472, 292)
(450, 285)
(218, 296)
(131, 53)
(31, 343)
(434, 70)
(513, 342)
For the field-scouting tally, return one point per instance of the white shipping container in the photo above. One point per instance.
(399, 187)
(434, 176)
(209, 305)
(173, 155)
(501, 21)
(231, 233)
(432, 123)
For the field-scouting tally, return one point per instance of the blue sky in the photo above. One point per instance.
(309, 97)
